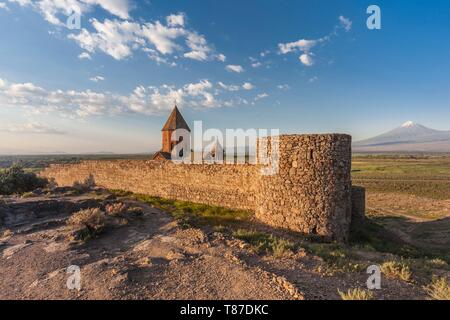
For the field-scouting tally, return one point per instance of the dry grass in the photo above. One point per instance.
(88, 223)
(397, 269)
(84, 186)
(120, 209)
(356, 294)
(116, 209)
(263, 242)
(439, 289)
(93, 218)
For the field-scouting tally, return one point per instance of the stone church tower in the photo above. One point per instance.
(174, 122)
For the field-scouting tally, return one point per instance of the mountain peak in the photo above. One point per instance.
(409, 124)
(409, 136)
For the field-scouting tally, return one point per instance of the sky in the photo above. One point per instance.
(109, 84)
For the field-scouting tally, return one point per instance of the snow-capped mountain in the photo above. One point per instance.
(409, 137)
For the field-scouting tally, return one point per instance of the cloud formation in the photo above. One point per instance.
(78, 104)
(33, 127)
(57, 11)
(305, 46)
(234, 68)
(97, 78)
(84, 55)
(233, 87)
(120, 38)
(345, 23)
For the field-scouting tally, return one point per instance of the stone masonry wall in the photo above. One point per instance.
(310, 193)
(232, 186)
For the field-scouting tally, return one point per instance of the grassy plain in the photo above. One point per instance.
(425, 176)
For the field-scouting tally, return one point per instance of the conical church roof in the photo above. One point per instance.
(175, 121)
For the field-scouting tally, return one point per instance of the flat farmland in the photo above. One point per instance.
(420, 176)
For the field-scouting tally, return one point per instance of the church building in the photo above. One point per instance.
(174, 122)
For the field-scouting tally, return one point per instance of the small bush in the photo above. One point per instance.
(84, 186)
(116, 209)
(437, 263)
(396, 269)
(263, 242)
(28, 195)
(89, 221)
(120, 209)
(16, 180)
(438, 289)
(356, 294)
(337, 258)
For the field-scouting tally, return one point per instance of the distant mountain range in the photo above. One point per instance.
(409, 137)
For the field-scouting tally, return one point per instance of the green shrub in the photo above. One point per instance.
(15, 180)
(196, 214)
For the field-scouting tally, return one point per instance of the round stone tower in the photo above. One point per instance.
(310, 189)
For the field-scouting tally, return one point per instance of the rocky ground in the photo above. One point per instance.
(155, 256)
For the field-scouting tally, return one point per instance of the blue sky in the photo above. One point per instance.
(299, 66)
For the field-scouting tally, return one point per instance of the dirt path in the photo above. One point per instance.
(153, 257)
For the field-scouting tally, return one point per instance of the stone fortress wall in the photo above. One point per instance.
(311, 192)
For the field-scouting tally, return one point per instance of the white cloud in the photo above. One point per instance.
(57, 11)
(84, 55)
(160, 36)
(303, 45)
(33, 127)
(233, 87)
(313, 79)
(97, 78)
(175, 20)
(221, 57)
(261, 96)
(306, 45)
(4, 6)
(120, 8)
(120, 38)
(22, 3)
(306, 59)
(247, 86)
(230, 87)
(71, 103)
(345, 23)
(284, 87)
(256, 64)
(112, 37)
(199, 47)
(158, 58)
(234, 68)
